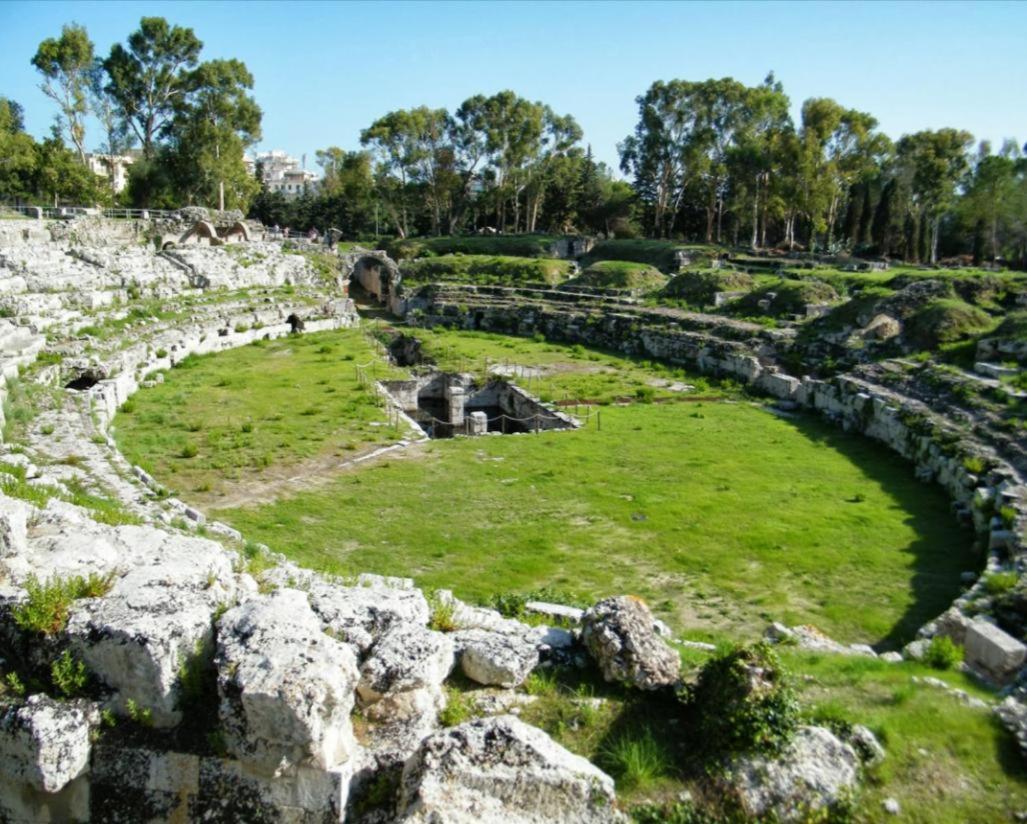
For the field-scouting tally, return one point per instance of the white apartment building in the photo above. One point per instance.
(102, 165)
(283, 173)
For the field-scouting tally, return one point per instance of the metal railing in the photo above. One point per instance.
(52, 212)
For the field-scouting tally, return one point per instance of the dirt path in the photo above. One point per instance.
(272, 485)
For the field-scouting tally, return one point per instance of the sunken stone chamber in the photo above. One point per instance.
(445, 404)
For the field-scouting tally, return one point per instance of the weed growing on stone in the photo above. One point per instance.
(45, 609)
(68, 675)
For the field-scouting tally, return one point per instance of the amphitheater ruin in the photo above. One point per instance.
(325, 693)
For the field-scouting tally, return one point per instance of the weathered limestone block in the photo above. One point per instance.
(621, 635)
(358, 614)
(813, 772)
(13, 515)
(129, 784)
(495, 659)
(45, 743)
(501, 769)
(286, 688)
(157, 615)
(403, 674)
(993, 651)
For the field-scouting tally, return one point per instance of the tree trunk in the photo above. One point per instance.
(755, 213)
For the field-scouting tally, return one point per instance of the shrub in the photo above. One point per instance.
(1000, 582)
(162, 353)
(443, 614)
(128, 407)
(68, 675)
(140, 715)
(45, 610)
(943, 653)
(188, 450)
(743, 702)
(458, 708)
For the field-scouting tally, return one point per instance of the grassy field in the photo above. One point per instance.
(255, 415)
(721, 514)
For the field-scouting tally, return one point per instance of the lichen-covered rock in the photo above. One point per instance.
(502, 770)
(286, 688)
(403, 674)
(495, 659)
(45, 743)
(360, 614)
(813, 772)
(157, 615)
(12, 526)
(621, 635)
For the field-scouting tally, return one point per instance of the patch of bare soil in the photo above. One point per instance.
(276, 482)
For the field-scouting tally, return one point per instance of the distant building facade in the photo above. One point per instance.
(281, 172)
(103, 165)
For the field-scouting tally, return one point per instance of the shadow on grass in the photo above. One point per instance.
(935, 580)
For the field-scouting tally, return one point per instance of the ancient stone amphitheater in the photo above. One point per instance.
(159, 611)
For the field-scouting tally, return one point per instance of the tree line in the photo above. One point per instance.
(713, 160)
(191, 122)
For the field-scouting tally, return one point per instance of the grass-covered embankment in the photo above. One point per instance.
(491, 270)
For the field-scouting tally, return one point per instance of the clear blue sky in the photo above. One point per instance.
(325, 70)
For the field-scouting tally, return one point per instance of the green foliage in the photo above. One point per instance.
(482, 269)
(68, 675)
(679, 812)
(789, 298)
(944, 321)
(443, 614)
(743, 702)
(143, 716)
(197, 681)
(636, 759)
(998, 583)
(45, 609)
(699, 287)
(656, 253)
(457, 709)
(621, 274)
(13, 683)
(943, 653)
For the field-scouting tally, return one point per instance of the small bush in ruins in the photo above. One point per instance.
(943, 653)
(46, 608)
(742, 702)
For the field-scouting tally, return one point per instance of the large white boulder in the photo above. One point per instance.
(286, 688)
(993, 651)
(157, 615)
(813, 772)
(496, 659)
(502, 770)
(622, 637)
(45, 743)
(403, 674)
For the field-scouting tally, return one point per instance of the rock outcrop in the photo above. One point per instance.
(501, 769)
(622, 637)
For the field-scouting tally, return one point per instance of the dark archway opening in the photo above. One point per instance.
(82, 382)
